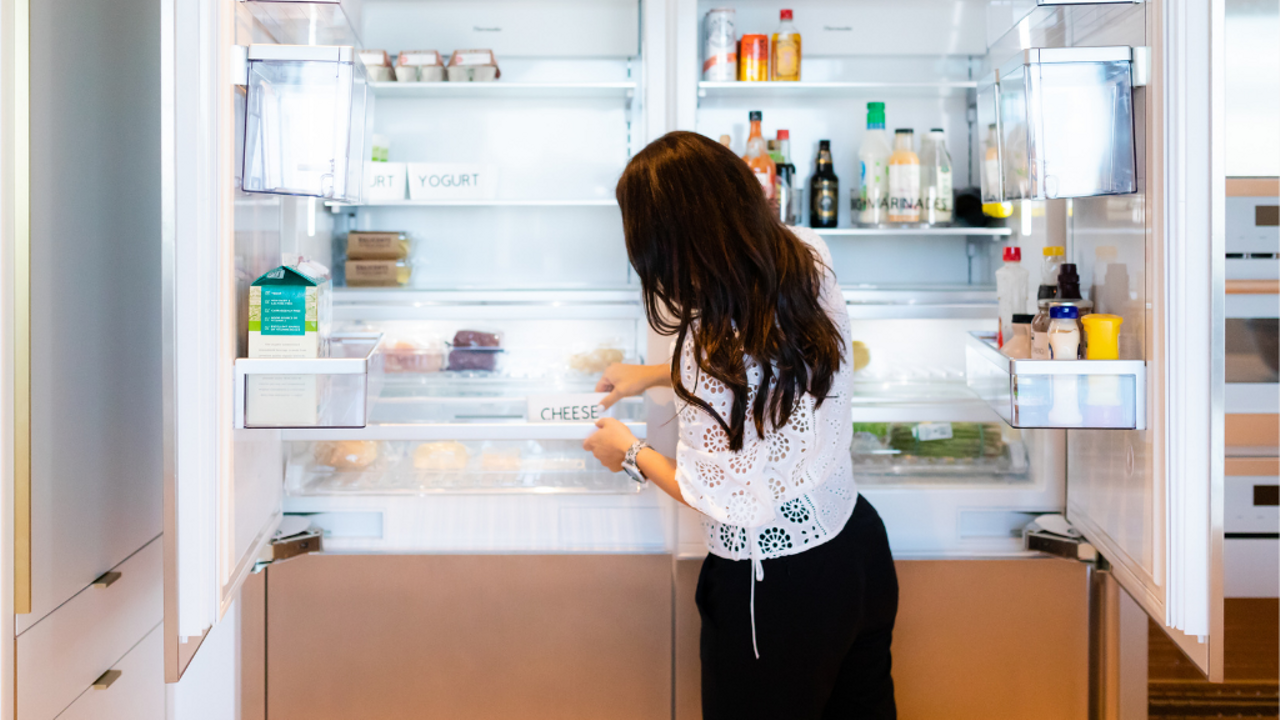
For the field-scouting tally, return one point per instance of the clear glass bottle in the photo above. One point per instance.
(936, 195)
(785, 51)
(784, 194)
(872, 203)
(904, 179)
(824, 190)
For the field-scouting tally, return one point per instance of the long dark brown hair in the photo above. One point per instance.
(718, 268)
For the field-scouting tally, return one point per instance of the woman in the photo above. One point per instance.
(762, 384)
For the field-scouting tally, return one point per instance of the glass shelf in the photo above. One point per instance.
(610, 202)
(1101, 394)
(474, 467)
(500, 89)
(834, 89)
(915, 231)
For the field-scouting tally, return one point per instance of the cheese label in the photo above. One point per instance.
(566, 408)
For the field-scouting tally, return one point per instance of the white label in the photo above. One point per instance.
(384, 181)
(904, 193)
(472, 58)
(763, 177)
(566, 408)
(933, 431)
(452, 181)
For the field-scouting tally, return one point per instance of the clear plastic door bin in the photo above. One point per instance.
(305, 124)
(1065, 119)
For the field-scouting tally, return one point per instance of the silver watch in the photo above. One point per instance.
(629, 465)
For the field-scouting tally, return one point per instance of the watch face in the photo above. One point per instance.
(634, 472)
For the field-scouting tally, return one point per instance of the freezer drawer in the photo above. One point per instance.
(1100, 394)
(60, 656)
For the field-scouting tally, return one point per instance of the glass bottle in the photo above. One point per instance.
(757, 157)
(785, 63)
(872, 202)
(784, 186)
(824, 190)
(904, 179)
(936, 196)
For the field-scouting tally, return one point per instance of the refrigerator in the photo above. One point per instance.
(419, 433)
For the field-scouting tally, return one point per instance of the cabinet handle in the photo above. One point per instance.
(106, 579)
(105, 680)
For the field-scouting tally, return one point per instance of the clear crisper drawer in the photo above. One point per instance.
(1102, 394)
(304, 121)
(939, 452)
(371, 467)
(333, 392)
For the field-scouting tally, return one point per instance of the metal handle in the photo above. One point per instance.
(106, 579)
(21, 306)
(106, 679)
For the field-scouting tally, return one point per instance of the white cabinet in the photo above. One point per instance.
(67, 650)
(133, 689)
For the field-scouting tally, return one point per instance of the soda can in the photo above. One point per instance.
(753, 58)
(719, 45)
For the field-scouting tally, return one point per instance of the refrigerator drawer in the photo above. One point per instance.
(133, 689)
(336, 392)
(1098, 394)
(62, 654)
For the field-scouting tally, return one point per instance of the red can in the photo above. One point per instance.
(753, 58)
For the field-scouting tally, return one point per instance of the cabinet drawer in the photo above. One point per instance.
(62, 654)
(137, 693)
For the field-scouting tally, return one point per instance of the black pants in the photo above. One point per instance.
(824, 624)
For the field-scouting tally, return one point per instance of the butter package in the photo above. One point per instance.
(289, 318)
(377, 273)
(377, 246)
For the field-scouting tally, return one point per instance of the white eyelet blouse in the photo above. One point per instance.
(783, 493)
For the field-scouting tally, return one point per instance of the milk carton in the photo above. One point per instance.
(288, 319)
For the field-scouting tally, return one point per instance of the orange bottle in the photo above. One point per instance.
(757, 157)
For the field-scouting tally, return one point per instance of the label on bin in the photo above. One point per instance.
(933, 431)
(566, 408)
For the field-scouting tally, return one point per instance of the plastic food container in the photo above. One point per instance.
(419, 66)
(475, 350)
(413, 354)
(377, 64)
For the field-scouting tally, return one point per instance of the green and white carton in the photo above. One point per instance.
(289, 315)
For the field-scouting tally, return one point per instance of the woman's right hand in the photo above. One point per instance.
(622, 381)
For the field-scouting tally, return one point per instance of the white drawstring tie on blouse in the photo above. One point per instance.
(757, 575)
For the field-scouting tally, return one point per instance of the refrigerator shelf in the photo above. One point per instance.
(483, 467)
(384, 304)
(333, 392)
(914, 231)
(1097, 394)
(606, 202)
(500, 89)
(511, 430)
(837, 90)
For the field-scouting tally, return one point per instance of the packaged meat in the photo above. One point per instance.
(419, 66)
(412, 354)
(475, 350)
(449, 455)
(381, 245)
(473, 66)
(346, 455)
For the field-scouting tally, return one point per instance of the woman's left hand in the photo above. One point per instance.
(610, 443)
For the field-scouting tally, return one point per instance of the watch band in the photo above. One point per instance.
(629, 463)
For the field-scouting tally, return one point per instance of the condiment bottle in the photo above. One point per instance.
(904, 179)
(872, 202)
(785, 60)
(1052, 264)
(1011, 291)
(824, 190)
(757, 156)
(1018, 345)
(726, 141)
(1064, 333)
(1040, 332)
(1102, 333)
(935, 179)
(784, 190)
(1069, 293)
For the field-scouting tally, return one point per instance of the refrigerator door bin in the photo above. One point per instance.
(1099, 394)
(336, 391)
(309, 22)
(373, 467)
(305, 121)
(1064, 119)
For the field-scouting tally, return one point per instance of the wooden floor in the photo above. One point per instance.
(1177, 690)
